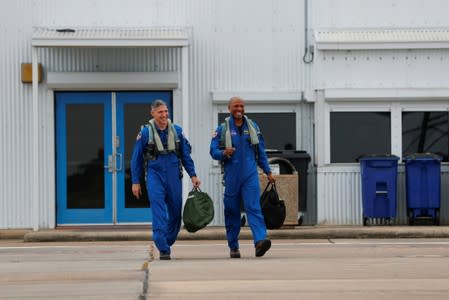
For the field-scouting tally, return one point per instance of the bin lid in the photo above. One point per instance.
(422, 156)
(378, 156)
(284, 162)
(288, 153)
(272, 151)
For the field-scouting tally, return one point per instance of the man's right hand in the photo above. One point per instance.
(228, 152)
(137, 190)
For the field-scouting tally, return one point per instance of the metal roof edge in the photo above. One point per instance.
(64, 36)
(381, 38)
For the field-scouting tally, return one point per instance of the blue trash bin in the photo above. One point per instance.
(423, 187)
(379, 180)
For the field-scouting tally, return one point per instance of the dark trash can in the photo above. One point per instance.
(423, 187)
(379, 180)
(300, 159)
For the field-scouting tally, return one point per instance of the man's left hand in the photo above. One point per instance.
(271, 178)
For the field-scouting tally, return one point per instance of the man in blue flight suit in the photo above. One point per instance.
(239, 146)
(165, 149)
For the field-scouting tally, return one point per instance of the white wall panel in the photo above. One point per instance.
(340, 196)
(15, 117)
(387, 69)
(380, 13)
(214, 187)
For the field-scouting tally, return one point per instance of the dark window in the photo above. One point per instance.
(425, 132)
(85, 156)
(135, 115)
(354, 134)
(278, 129)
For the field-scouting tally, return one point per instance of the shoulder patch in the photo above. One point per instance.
(214, 133)
(139, 136)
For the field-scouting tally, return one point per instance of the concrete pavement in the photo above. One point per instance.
(143, 233)
(349, 269)
(305, 269)
(114, 270)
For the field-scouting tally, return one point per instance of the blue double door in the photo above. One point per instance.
(95, 136)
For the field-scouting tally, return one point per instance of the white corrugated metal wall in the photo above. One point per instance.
(15, 117)
(378, 14)
(236, 46)
(340, 192)
(388, 69)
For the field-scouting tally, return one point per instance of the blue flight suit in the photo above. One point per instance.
(241, 181)
(163, 184)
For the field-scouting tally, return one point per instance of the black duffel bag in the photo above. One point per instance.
(273, 209)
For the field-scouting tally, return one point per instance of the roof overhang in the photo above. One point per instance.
(117, 37)
(382, 38)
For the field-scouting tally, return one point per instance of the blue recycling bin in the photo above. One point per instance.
(379, 180)
(423, 187)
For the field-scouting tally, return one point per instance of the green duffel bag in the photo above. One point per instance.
(198, 210)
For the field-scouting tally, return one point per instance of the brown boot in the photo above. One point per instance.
(164, 256)
(262, 247)
(235, 253)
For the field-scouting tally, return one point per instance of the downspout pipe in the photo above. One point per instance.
(308, 50)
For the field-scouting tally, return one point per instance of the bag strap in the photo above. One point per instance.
(272, 185)
(196, 189)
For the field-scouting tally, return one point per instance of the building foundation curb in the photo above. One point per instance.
(219, 233)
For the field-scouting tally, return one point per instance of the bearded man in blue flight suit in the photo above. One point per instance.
(164, 147)
(239, 146)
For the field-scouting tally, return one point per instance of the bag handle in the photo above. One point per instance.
(196, 188)
(273, 186)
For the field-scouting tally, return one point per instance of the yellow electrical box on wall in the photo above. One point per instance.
(27, 74)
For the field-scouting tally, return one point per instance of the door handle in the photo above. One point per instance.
(110, 166)
(118, 165)
(120, 162)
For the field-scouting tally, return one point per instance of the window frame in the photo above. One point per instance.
(394, 107)
(351, 136)
(251, 107)
(262, 108)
